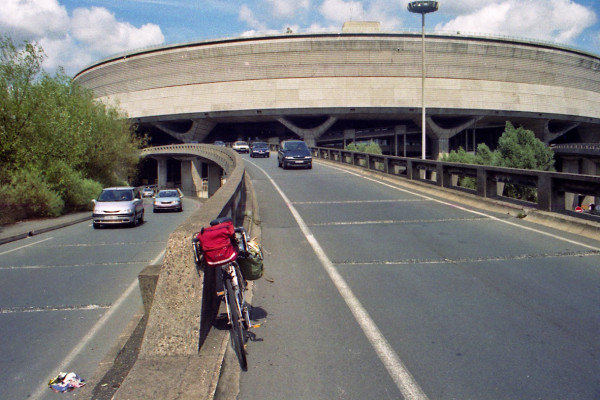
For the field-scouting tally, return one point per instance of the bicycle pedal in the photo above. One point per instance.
(255, 326)
(221, 293)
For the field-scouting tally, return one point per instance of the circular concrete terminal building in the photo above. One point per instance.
(360, 83)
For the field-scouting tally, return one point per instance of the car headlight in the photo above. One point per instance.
(288, 158)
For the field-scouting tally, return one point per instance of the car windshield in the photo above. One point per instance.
(168, 193)
(296, 146)
(259, 145)
(242, 144)
(116, 195)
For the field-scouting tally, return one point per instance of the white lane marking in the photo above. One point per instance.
(468, 210)
(64, 364)
(357, 201)
(54, 308)
(405, 382)
(27, 245)
(399, 222)
(105, 264)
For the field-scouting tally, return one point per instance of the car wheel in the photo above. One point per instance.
(142, 217)
(96, 226)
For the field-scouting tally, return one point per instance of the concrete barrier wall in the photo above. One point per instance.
(168, 364)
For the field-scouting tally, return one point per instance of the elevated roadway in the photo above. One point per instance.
(376, 288)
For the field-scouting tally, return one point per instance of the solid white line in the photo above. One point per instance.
(405, 382)
(27, 245)
(64, 364)
(468, 210)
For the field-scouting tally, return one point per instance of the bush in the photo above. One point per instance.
(75, 190)
(364, 147)
(29, 195)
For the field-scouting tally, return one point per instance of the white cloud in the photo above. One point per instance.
(72, 41)
(32, 19)
(287, 8)
(100, 31)
(341, 11)
(246, 15)
(554, 20)
(384, 11)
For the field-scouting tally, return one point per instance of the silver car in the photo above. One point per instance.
(169, 199)
(118, 205)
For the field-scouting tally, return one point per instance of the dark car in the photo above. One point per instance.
(294, 153)
(259, 149)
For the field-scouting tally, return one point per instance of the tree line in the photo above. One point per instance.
(58, 145)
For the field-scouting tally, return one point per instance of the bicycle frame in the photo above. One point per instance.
(234, 285)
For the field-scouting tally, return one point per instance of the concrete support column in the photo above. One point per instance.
(349, 136)
(400, 130)
(571, 166)
(187, 182)
(161, 165)
(589, 167)
(214, 178)
(196, 168)
(439, 147)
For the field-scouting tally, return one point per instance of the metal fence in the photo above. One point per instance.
(555, 191)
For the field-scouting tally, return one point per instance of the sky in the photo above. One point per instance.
(77, 33)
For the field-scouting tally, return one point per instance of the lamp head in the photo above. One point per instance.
(423, 6)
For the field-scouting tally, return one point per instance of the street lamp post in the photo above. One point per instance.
(423, 7)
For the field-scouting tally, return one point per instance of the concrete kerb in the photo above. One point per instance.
(52, 224)
(562, 222)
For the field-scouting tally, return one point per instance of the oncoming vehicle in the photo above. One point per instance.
(241, 147)
(259, 149)
(294, 153)
(167, 200)
(219, 143)
(118, 205)
(148, 192)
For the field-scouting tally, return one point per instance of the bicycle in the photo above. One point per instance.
(234, 288)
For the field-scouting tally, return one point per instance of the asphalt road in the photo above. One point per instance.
(66, 296)
(377, 292)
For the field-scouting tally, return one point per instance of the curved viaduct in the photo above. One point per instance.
(330, 88)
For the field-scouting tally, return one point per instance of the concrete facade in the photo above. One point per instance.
(472, 83)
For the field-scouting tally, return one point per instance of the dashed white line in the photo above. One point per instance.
(27, 245)
(467, 209)
(64, 364)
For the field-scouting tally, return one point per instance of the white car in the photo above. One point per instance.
(169, 199)
(118, 205)
(241, 147)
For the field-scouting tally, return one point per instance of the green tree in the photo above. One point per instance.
(517, 148)
(18, 72)
(56, 138)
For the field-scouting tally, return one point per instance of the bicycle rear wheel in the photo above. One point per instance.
(237, 329)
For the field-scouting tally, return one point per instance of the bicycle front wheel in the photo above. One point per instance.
(237, 330)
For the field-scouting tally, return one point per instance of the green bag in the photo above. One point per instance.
(251, 263)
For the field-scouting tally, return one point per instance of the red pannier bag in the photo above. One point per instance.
(217, 244)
